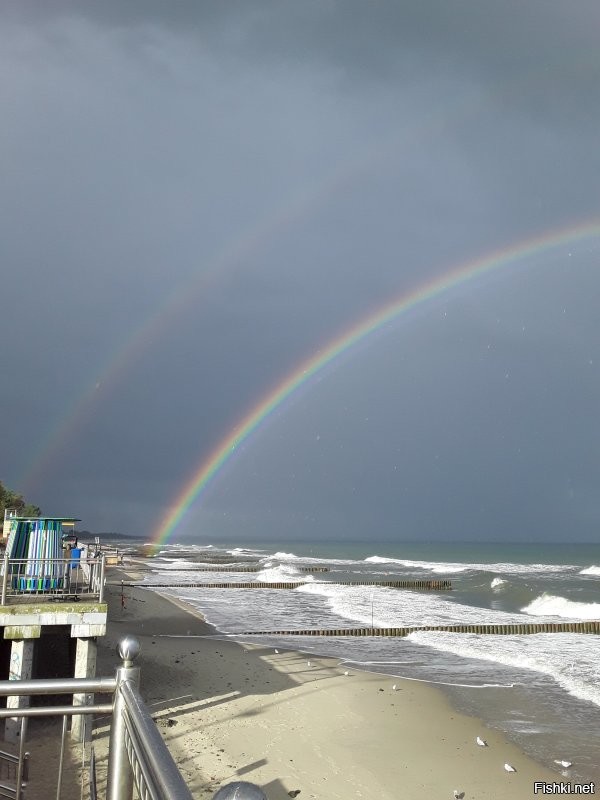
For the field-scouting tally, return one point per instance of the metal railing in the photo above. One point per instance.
(58, 578)
(13, 773)
(137, 755)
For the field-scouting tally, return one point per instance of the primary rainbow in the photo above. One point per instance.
(210, 466)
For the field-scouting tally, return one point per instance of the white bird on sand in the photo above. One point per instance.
(276, 650)
(565, 764)
(395, 688)
(346, 673)
(308, 663)
(481, 742)
(458, 795)
(509, 768)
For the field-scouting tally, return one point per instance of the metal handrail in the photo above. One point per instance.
(58, 686)
(52, 577)
(159, 776)
(137, 755)
(17, 769)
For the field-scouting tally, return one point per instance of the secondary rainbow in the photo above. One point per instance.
(211, 465)
(81, 406)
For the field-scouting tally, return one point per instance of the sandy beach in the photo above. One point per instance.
(295, 723)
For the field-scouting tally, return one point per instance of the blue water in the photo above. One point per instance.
(542, 690)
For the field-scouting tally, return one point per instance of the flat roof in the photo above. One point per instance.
(40, 519)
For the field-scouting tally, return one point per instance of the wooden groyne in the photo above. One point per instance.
(429, 585)
(198, 569)
(232, 568)
(590, 626)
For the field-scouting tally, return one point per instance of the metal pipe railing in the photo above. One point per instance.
(21, 767)
(52, 577)
(61, 760)
(102, 578)
(17, 770)
(122, 768)
(58, 686)
(137, 753)
(159, 774)
(56, 711)
(4, 577)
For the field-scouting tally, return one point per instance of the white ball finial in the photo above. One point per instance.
(240, 790)
(128, 649)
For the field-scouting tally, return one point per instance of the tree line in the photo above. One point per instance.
(15, 501)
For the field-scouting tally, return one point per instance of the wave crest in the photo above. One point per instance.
(549, 605)
(590, 571)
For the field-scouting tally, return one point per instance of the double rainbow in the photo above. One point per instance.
(210, 466)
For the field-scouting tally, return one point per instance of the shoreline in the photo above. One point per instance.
(237, 711)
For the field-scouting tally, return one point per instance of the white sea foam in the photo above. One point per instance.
(390, 608)
(245, 551)
(572, 660)
(449, 567)
(432, 566)
(590, 571)
(548, 605)
(183, 546)
(174, 563)
(498, 583)
(284, 555)
(282, 573)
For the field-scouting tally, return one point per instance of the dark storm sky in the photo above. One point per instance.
(197, 196)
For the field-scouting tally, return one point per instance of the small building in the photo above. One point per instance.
(52, 606)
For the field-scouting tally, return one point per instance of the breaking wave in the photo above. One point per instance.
(548, 605)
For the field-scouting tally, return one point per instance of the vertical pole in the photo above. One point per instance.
(62, 757)
(101, 592)
(119, 784)
(92, 781)
(5, 578)
(23, 736)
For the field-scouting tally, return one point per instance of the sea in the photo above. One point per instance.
(541, 690)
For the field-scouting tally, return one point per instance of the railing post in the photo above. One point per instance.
(5, 578)
(22, 737)
(120, 775)
(101, 592)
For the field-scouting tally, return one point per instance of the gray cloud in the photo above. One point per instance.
(284, 169)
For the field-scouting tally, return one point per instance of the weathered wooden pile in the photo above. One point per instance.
(430, 585)
(496, 630)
